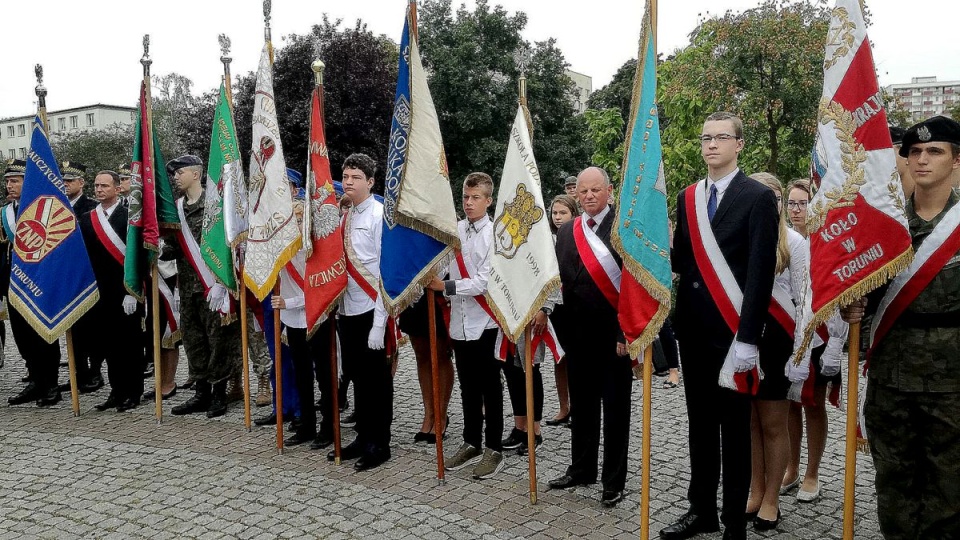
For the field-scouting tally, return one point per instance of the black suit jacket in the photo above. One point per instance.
(106, 269)
(84, 204)
(746, 225)
(586, 310)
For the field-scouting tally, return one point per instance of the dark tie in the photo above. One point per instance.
(591, 223)
(712, 202)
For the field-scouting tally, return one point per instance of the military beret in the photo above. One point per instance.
(183, 161)
(124, 171)
(896, 134)
(15, 167)
(72, 169)
(936, 129)
(294, 177)
(570, 181)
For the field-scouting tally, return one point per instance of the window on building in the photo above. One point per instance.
(10, 132)
(13, 153)
(21, 129)
(74, 124)
(62, 123)
(90, 119)
(23, 153)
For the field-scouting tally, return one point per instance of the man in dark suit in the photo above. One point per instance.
(599, 368)
(117, 314)
(743, 219)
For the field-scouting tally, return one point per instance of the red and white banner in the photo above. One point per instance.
(859, 236)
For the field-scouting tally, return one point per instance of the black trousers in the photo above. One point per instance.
(718, 418)
(42, 358)
(669, 342)
(481, 392)
(122, 348)
(311, 361)
(372, 380)
(517, 386)
(599, 378)
(87, 345)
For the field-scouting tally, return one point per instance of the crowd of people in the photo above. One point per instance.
(747, 233)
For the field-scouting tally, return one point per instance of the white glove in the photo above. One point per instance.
(796, 374)
(375, 339)
(216, 296)
(745, 357)
(129, 304)
(832, 359)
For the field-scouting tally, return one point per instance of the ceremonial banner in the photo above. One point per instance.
(641, 234)
(419, 219)
(273, 236)
(859, 237)
(152, 205)
(523, 266)
(51, 280)
(326, 270)
(224, 174)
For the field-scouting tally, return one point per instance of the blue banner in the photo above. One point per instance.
(51, 281)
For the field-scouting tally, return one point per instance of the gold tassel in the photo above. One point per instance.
(863, 446)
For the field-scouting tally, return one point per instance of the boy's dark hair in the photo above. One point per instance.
(362, 162)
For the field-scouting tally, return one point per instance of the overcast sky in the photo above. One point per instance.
(90, 50)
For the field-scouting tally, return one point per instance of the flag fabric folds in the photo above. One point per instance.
(859, 236)
(641, 233)
(152, 206)
(273, 235)
(326, 270)
(224, 175)
(523, 265)
(419, 219)
(47, 242)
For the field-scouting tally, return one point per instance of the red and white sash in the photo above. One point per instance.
(481, 299)
(191, 251)
(370, 285)
(171, 334)
(939, 248)
(721, 283)
(505, 348)
(598, 261)
(108, 237)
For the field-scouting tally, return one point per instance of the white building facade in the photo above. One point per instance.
(925, 96)
(15, 132)
(584, 89)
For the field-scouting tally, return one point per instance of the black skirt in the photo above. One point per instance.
(776, 346)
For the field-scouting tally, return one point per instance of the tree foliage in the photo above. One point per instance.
(105, 149)
(605, 128)
(616, 94)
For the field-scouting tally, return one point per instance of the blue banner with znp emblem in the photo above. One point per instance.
(51, 281)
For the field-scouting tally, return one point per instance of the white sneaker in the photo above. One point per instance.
(805, 496)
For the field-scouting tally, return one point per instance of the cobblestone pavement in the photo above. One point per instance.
(120, 475)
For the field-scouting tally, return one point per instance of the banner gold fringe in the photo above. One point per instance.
(170, 342)
(863, 446)
(53, 334)
(395, 306)
(283, 258)
(326, 313)
(549, 288)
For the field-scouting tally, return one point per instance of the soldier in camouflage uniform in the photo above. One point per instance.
(212, 347)
(912, 408)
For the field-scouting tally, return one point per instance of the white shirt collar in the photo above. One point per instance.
(360, 208)
(598, 219)
(722, 183)
(108, 211)
(73, 202)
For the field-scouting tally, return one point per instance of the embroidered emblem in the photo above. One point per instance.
(42, 227)
(923, 133)
(514, 223)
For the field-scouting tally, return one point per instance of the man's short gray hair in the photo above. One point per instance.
(603, 173)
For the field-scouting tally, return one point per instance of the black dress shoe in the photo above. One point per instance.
(421, 437)
(559, 421)
(150, 395)
(566, 481)
(321, 441)
(28, 394)
(218, 406)
(690, 525)
(731, 534)
(110, 403)
(128, 404)
(350, 451)
(95, 383)
(51, 397)
(761, 524)
(195, 404)
(299, 437)
(372, 459)
(611, 498)
(295, 424)
(266, 420)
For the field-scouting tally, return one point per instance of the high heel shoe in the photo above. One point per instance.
(761, 524)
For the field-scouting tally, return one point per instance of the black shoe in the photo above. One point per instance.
(197, 404)
(515, 439)
(372, 459)
(128, 404)
(28, 394)
(51, 397)
(423, 437)
(761, 524)
(298, 437)
(218, 406)
(350, 420)
(322, 440)
(750, 516)
(266, 420)
(690, 525)
(730, 534)
(95, 383)
(150, 395)
(538, 440)
(611, 498)
(559, 421)
(350, 451)
(566, 481)
(27, 379)
(295, 424)
(110, 403)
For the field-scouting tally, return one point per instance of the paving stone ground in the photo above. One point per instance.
(120, 476)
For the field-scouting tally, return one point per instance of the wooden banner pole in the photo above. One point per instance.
(850, 466)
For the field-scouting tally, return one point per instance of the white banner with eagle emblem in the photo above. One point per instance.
(273, 235)
(523, 268)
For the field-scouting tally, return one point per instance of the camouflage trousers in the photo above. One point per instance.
(259, 353)
(915, 442)
(213, 350)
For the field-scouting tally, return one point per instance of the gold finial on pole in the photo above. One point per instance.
(41, 91)
(317, 66)
(522, 58)
(145, 60)
(267, 6)
(225, 58)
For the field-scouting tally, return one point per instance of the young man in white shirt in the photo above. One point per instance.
(473, 333)
(363, 320)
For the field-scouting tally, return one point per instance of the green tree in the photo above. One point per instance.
(474, 81)
(616, 94)
(105, 149)
(606, 132)
(954, 111)
(897, 112)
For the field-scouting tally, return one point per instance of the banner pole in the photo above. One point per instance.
(155, 323)
(278, 369)
(645, 444)
(531, 431)
(335, 387)
(435, 369)
(850, 465)
(72, 371)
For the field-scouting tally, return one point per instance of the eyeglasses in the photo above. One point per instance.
(797, 205)
(721, 138)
